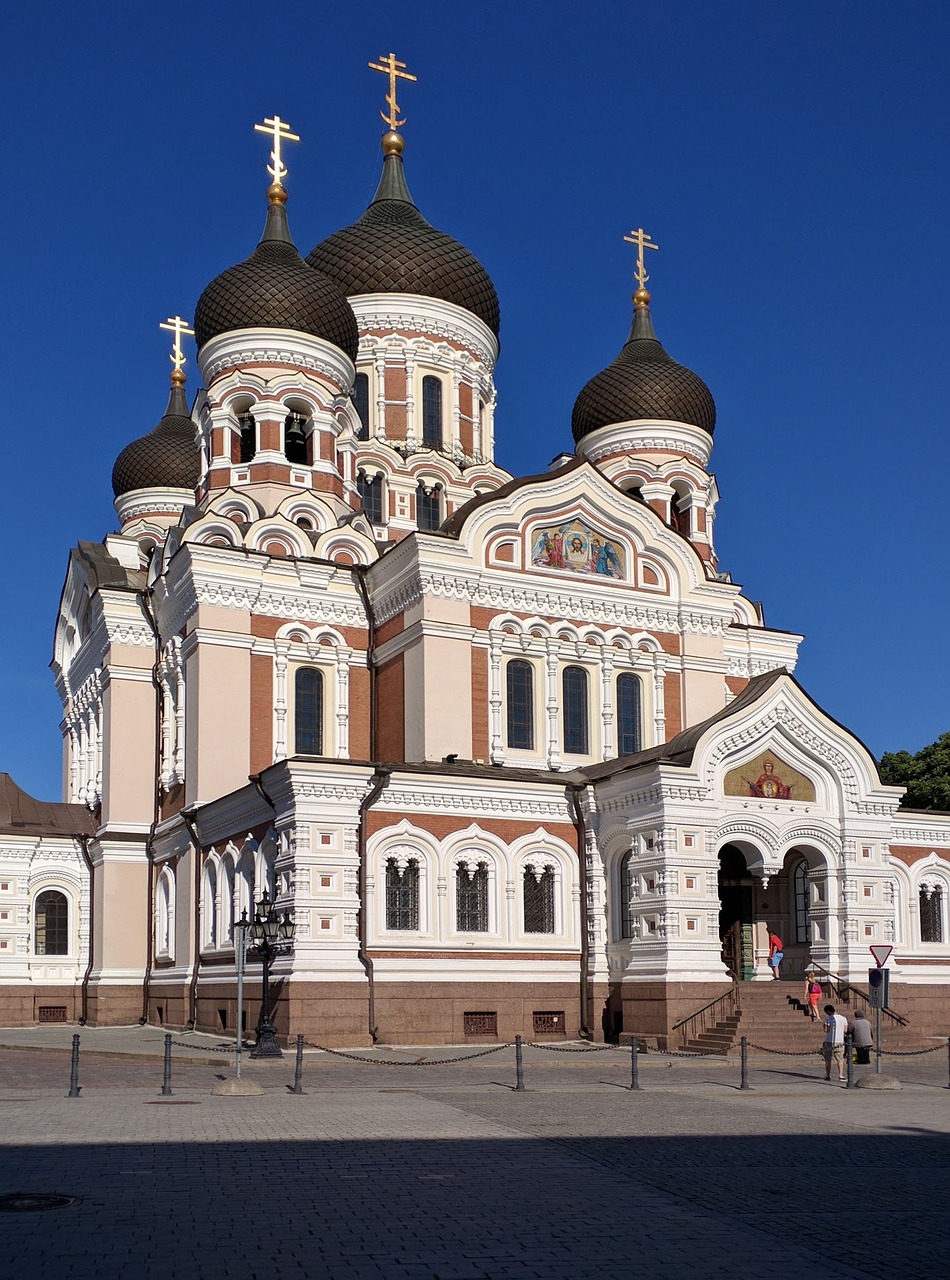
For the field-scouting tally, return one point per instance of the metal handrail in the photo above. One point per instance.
(730, 998)
(842, 988)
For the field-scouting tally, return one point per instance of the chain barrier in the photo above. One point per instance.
(203, 1048)
(678, 1053)
(911, 1053)
(383, 1062)
(559, 1048)
(785, 1053)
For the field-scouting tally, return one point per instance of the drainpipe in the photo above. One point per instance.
(188, 817)
(379, 780)
(157, 807)
(84, 994)
(574, 791)
(370, 657)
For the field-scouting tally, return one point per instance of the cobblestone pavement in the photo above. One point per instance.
(446, 1173)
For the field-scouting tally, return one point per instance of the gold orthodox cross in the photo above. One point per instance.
(179, 327)
(389, 65)
(642, 241)
(280, 132)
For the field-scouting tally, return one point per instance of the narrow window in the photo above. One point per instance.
(308, 712)
(538, 899)
(432, 413)
(519, 677)
(574, 700)
(629, 732)
(210, 905)
(931, 913)
(428, 508)
(371, 496)
(677, 517)
(296, 443)
(471, 897)
(800, 885)
(402, 895)
(361, 404)
(626, 890)
(248, 436)
(51, 936)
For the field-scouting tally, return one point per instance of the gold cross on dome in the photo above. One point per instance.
(390, 66)
(179, 327)
(642, 241)
(280, 132)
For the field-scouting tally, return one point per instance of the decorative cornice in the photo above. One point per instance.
(414, 313)
(149, 502)
(242, 347)
(656, 435)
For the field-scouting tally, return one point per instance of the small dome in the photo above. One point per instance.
(392, 249)
(275, 289)
(167, 458)
(643, 382)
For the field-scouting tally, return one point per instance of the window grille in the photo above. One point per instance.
(549, 1023)
(51, 1013)
(471, 898)
(538, 899)
(52, 924)
(248, 436)
(432, 412)
(371, 496)
(308, 712)
(519, 677)
(800, 884)
(296, 444)
(629, 732)
(480, 1024)
(931, 914)
(361, 404)
(402, 895)
(626, 889)
(428, 508)
(574, 702)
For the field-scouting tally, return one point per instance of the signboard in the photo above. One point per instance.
(878, 984)
(880, 954)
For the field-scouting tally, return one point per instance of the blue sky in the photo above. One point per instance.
(790, 161)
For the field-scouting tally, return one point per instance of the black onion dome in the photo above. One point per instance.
(643, 382)
(275, 289)
(392, 249)
(167, 458)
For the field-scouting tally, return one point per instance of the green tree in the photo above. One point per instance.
(925, 775)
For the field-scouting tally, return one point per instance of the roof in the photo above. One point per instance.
(166, 458)
(21, 814)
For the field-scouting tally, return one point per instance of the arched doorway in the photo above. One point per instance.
(736, 929)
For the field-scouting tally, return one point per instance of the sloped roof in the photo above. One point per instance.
(21, 814)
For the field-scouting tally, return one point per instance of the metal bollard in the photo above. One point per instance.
(849, 1059)
(298, 1069)
(74, 1070)
(634, 1065)
(167, 1070)
(948, 1062)
(744, 1059)
(519, 1067)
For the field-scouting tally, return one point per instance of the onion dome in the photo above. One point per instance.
(392, 249)
(643, 382)
(275, 289)
(168, 457)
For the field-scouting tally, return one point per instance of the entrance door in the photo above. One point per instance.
(735, 914)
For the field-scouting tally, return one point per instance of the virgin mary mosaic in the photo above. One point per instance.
(578, 548)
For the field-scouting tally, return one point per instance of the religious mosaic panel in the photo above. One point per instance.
(578, 548)
(767, 778)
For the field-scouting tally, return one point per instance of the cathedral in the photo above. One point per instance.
(499, 755)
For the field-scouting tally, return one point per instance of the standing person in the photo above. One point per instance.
(776, 954)
(812, 995)
(863, 1037)
(833, 1047)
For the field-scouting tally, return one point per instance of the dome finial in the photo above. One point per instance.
(393, 144)
(643, 241)
(279, 130)
(179, 327)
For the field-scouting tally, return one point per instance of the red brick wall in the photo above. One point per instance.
(391, 695)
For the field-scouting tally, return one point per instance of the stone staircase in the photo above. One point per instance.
(773, 1014)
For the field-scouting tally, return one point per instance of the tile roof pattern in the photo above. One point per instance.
(166, 458)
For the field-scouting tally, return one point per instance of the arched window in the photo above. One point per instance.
(226, 917)
(538, 884)
(402, 894)
(629, 722)
(296, 443)
(428, 507)
(800, 888)
(574, 710)
(519, 678)
(931, 913)
(471, 897)
(432, 412)
(308, 712)
(165, 914)
(371, 496)
(248, 437)
(51, 924)
(679, 519)
(361, 404)
(209, 905)
(626, 895)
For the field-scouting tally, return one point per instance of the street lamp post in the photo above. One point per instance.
(270, 937)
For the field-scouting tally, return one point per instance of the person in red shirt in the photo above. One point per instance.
(776, 954)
